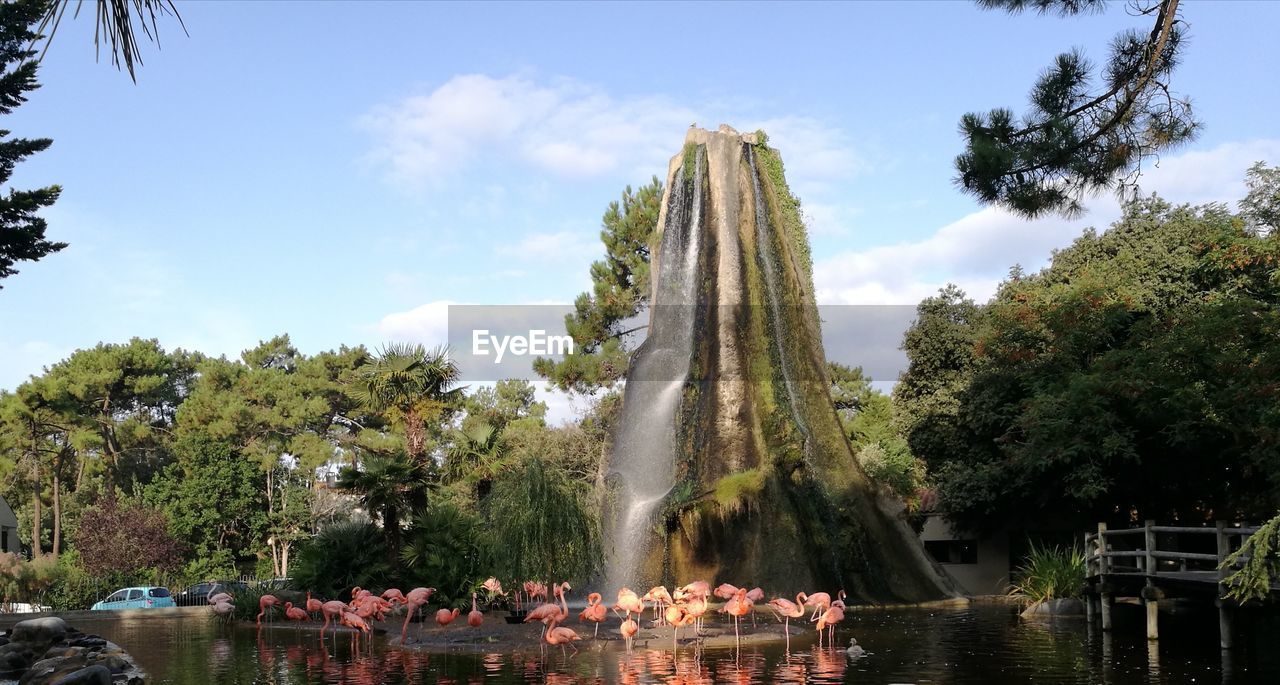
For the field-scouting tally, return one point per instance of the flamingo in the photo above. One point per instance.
(788, 610)
(333, 609)
(678, 617)
(595, 612)
(224, 610)
(629, 602)
(476, 618)
(818, 600)
(556, 635)
(696, 588)
(855, 650)
(394, 595)
(756, 595)
(737, 607)
(220, 598)
(313, 605)
(551, 612)
(294, 613)
(629, 628)
(833, 615)
(266, 602)
(415, 599)
(697, 610)
(444, 617)
(659, 596)
(725, 591)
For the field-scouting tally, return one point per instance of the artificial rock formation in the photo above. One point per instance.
(730, 462)
(45, 651)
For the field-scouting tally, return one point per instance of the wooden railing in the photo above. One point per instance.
(1104, 548)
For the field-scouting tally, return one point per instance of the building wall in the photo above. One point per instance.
(8, 529)
(980, 566)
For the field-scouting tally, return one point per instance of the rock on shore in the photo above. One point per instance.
(45, 651)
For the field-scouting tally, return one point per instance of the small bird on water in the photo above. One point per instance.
(855, 650)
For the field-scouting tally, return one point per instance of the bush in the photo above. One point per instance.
(1050, 573)
(444, 551)
(342, 556)
(541, 525)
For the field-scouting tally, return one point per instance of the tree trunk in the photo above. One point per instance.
(57, 508)
(35, 509)
(284, 559)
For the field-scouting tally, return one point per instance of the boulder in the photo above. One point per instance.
(93, 675)
(49, 670)
(1055, 607)
(39, 632)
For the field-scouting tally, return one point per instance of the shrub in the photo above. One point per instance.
(444, 551)
(541, 525)
(1050, 573)
(342, 556)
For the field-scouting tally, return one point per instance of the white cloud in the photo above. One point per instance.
(573, 129)
(427, 324)
(560, 246)
(977, 250)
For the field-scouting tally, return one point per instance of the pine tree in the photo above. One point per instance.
(1077, 139)
(620, 291)
(21, 230)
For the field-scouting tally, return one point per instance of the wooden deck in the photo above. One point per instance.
(1154, 562)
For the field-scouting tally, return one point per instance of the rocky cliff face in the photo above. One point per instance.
(759, 484)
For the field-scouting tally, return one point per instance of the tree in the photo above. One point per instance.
(620, 291)
(867, 416)
(541, 526)
(508, 400)
(1135, 376)
(117, 21)
(124, 539)
(1261, 206)
(1077, 139)
(22, 231)
(414, 387)
(385, 486)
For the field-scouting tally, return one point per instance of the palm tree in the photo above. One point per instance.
(477, 455)
(410, 385)
(116, 24)
(386, 487)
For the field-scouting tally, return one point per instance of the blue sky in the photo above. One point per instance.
(337, 171)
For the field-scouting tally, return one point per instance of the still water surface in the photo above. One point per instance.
(981, 644)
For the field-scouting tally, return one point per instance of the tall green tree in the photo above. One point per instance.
(22, 230)
(620, 290)
(1136, 375)
(1261, 206)
(1078, 137)
(542, 526)
(414, 387)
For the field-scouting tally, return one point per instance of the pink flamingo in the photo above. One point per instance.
(224, 610)
(697, 611)
(595, 612)
(629, 602)
(660, 597)
(414, 600)
(829, 619)
(678, 617)
(313, 605)
(332, 609)
(266, 602)
(444, 617)
(555, 635)
(787, 610)
(756, 595)
(737, 607)
(551, 612)
(476, 618)
(629, 628)
(293, 613)
(818, 600)
(393, 595)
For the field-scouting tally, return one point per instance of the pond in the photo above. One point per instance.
(978, 644)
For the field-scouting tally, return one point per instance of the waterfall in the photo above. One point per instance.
(764, 248)
(643, 460)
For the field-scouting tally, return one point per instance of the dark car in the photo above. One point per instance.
(198, 594)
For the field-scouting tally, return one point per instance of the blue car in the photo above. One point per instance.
(136, 598)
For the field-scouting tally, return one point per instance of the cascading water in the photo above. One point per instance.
(764, 248)
(643, 460)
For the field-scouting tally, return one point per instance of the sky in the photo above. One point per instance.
(342, 171)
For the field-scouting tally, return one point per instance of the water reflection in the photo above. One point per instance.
(959, 647)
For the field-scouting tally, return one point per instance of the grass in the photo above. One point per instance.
(1049, 573)
(739, 491)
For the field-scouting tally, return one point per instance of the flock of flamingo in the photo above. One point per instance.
(683, 607)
